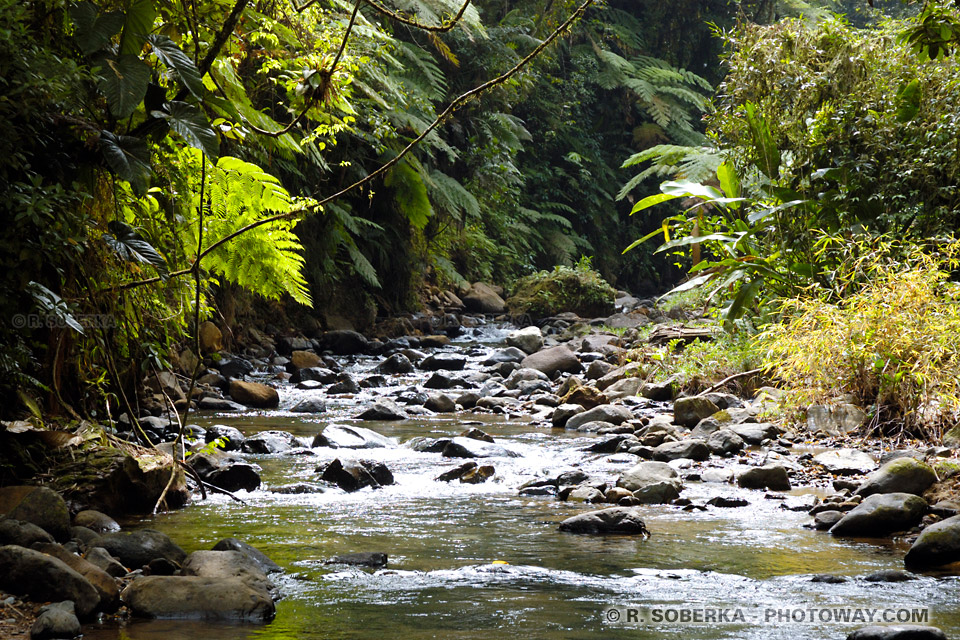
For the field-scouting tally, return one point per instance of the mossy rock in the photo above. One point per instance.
(548, 293)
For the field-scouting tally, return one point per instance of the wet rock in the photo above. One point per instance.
(583, 494)
(443, 362)
(756, 433)
(353, 476)
(614, 520)
(889, 575)
(827, 578)
(45, 579)
(540, 491)
(96, 521)
(724, 502)
(937, 545)
(718, 476)
(193, 597)
(585, 396)
(24, 534)
(374, 559)
(105, 584)
(345, 384)
(689, 411)
(897, 632)
(835, 420)
(626, 388)
(522, 375)
(902, 475)
(767, 477)
(881, 514)
(482, 298)
(235, 368)
(322, 375)
(457, 472)
(227, 564)
(270, 442)
(232, 438)
(218, 404)
(460, 447)
(690, 448)
(611, 445)
(339, 436)
(137, 548)
(56, 620)
(658, 493)
(38, 505)
(371, 382)
(845, 462)
(286, 345)
(598, 369)
(383, 409)
(725, 442)
(427, 445)
(945, 509)
(468, 400)
(477, 434)
(309, 405)
(563, 413)
(437, 341)
(610, 413)
(101, 558)
(660, 391)
(553, 361)
(647, 473)
(440, 380)
(510, 354)
(161, 567)
(824, 520)
(305, 359)
(343, 342)
(529, 339)
(397, 364)
(298, 488)
(232, 544)
(478, 475)
(440, 403)
(254, 394)
(225, 471)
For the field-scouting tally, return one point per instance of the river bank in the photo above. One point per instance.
(559, 450)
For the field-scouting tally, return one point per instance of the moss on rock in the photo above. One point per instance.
(548, 293)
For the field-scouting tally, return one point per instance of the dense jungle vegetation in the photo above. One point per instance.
(166, 161)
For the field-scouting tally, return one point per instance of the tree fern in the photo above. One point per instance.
(449, 195)
(410, 193)
(695, 164)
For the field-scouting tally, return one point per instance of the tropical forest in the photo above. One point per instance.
(415, 319)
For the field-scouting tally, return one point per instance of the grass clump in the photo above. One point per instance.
(579, 289)
(893, 345)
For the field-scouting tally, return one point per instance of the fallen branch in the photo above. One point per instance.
(722, 383)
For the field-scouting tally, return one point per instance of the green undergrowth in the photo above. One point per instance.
(579, 289)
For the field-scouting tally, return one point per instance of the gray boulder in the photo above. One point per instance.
(937, 545)
(232, 440)
(553, 361)
(104, 583)
(690, 448)
(756, 433)
(309, 405)
(38, 505)
(137, 548)
(482, 298)
(227, 564)
(24, 534)
(443, 362)
(270, 442)
(652, 482)
(225, 470)
(254, 394)
(510, 354)
(340, 436)
(195, 597)
(563, 413)
(45, 579)
(352, 476)
(615, 520)
(725, 442)
(101, 559)
(770, 476)
(901, 475)
(383, 409)
(845, 462)
(56, 620)
(374, 559)
(661, 391)
(232, 544)
(626, 388)
(397, 364)
(440, 403)
(689, 411)
(881, 514)
(529, 339)
(461, 447)
(610, 413)
(96, 521)
(343, 342)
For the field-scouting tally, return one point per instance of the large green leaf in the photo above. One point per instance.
(138, 23)
(94, 32)
(127, 244)
(908, 101)
(764, 146)
(128, 157)
(192, 125)
(124, 83)
(172, 56)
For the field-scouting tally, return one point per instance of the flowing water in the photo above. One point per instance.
(448, 542)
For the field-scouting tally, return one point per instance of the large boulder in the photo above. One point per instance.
(691, 448)
(383, 409)
(652, 482)
(937, 545)
(38, 505)
(901, 475)
(231, 437)
(258, 557)
(614, 520)
(254, 394)
(613, 413)
(756, 432)
(56, 620)
(339, 436)
(227, 564)
(343, 342)
(225, 470)
(481, 298)
(725, 442)
(443, 362)
(305, 359)
(397, 364)
(104, 583)
(136, 549)
(846, 462)
(563, 413)
(552, 361)
(881, 514)
(195, 597)
(770, 476)
(45, 579)
(24, 534)
(352, 476)
(461, 447)
(529, 339)
(270, 442)
(689, 411)
(96, 521)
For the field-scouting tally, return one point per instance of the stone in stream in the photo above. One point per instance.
(300, 359)
(482, 298)
(38, 505)
(659, 391)
(397, 364)
(902, 475)
(897, 632)
(722, 501)
(889, 575)
(443, 362)
(690, 448)
(613, 414)
(614, 520)
(510, 354)
(937, 545)
(563, 413)
(689, 411)
(56, 620)
(340, 436)
(96, 521)
(228, 564)
(612, 445)
(346, 384)
(343, 342)
(584, 494)
(457, 472)
(270, 442)
(374, 559)
(383, 409)
(824, 520)
(626, 388)
(195, 597)
(553, 361)
(652, 482)
(845, 462)
(881, 514)
(468, 400)
(461, 447)
(529, 339)
(827, 578)
(309, 405)
(440, 380)
(440, 403)
(478, 474)
(225, 471)
(105, 584)
(353, 476)
(210, 403)
(45, 579)
(314, 374)
(770, 476)
(427, 445)
(254, 394)
(137, 548)
(477, 434)
(101, 558)
(598, 369)
(24, 534)
(232, 438)
(724, 442)
(756, 433)
(232, 544)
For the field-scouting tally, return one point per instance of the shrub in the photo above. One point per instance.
(579, 289)
(893, 345)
